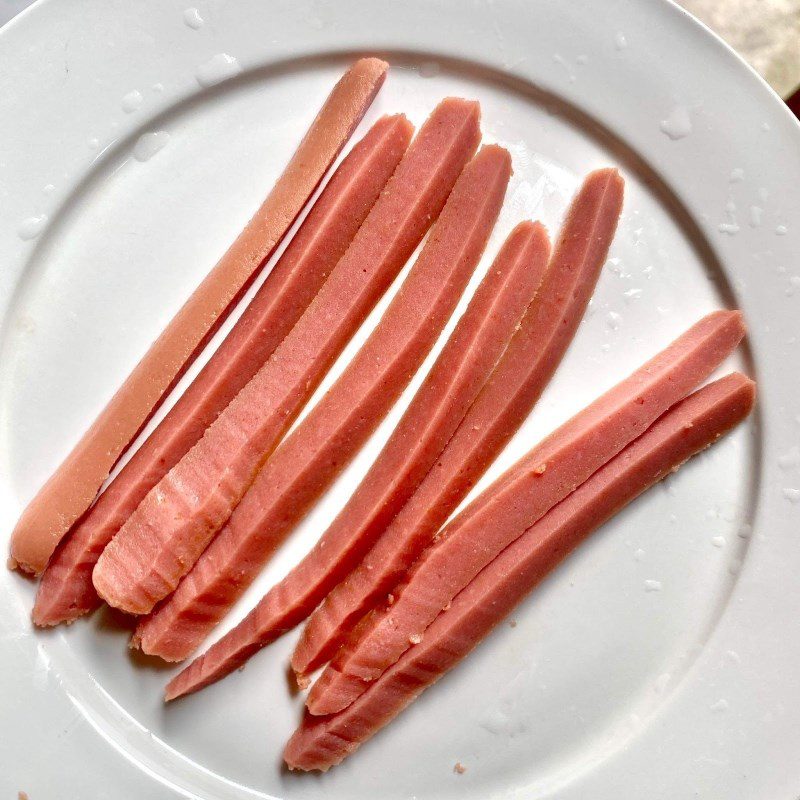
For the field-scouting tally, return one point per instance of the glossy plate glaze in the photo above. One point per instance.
(660, 660)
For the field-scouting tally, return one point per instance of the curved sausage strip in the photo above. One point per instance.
(306, 463)
(532, 357)
(172, 526)
(517, 499)
(74, 485)
(687, 428)
(435, 411)
(66, 590)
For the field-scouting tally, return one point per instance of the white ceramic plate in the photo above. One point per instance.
(602, 689)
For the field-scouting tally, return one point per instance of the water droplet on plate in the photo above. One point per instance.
(192, 18)
(720, 705)
(217, 69)
(620, 42)
(132, 101)
(781, 230)
(737, 175)
(744, 530)
(31, 227)
(631, 295)
(94, 143)
(731, 225)
(48, 188)
(148, 144)
(792, 495)
(561, 61)
(639, 555)
(652, 586)
(718, 541)
(613, 320)
(756, 216)
(429, 69)
(678, 124)
(765, 126)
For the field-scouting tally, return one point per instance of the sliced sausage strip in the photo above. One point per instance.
(180, 515)
(74, 485)
(519, 497)
(687, 428)
(66, 590)
(511, 391)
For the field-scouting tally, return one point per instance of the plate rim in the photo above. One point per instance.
(28, 17)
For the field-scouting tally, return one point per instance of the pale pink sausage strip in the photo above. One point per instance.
(74, 485)
(480, 336)
(168, 531)
(511, 391)
(527, 491)
(690, 426)
(306, 463)
(66, 591)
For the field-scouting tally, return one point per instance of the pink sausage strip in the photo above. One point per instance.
(306, 463)
(511, 391)
(527, 491)
(74, 485)
(687, 428)
(180, 515)
(66, 590)
(441, 402)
